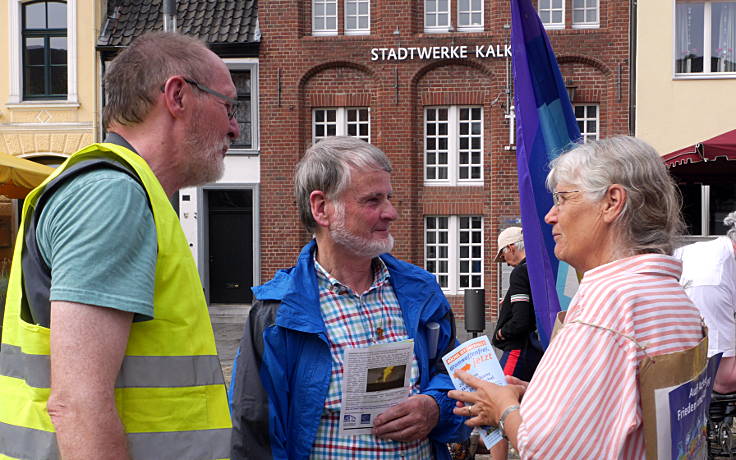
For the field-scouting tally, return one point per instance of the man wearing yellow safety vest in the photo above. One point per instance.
(107, 349)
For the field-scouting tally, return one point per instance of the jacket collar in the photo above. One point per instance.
(297, 290)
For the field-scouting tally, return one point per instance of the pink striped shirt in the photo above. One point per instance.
(583, 401)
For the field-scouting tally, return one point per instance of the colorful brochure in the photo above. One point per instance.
(476, 357)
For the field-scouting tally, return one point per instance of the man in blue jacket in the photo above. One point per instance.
(345, 291)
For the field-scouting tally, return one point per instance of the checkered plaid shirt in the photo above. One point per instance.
(357, 321)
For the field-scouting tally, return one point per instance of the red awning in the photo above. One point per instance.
(709, 162)
(723, 145)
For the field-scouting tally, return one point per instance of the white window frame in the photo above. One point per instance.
(15, 50)
(454, 260)
(470, 11)
(341, 121)
(250, 64)
(438, 28)
(585, 135)
(553, 25)
(323, 31)
(358, 30)
(587, 24)
(453, 147)
(707, 54)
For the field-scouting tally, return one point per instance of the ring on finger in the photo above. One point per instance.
(470, 411)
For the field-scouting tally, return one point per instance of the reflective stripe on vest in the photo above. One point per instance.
(20, 442)
(135, 372)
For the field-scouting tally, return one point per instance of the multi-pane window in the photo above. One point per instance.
(705, 36)
(437, 248)
(324, 17)
(453, 145)
(585, 13)
(436, 144)
(470, 249)
(244, 72)
(357, 16)
(436, 15)
(469, 15)
(587, 117)
(454, 251)
(341, 121)
(242, 80)
(552, 13)
(44, 50)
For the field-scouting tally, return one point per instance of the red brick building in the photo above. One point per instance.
(429, 82)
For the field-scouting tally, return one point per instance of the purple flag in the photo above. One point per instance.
(546, 127)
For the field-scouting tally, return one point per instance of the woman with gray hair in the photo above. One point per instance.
(614, 219)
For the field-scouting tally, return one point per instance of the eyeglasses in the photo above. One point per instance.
(559, 197)
(508, 246)
(232, 104)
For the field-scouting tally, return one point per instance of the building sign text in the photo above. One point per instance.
(440, 52)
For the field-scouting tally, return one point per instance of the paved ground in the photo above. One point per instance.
(228, 321)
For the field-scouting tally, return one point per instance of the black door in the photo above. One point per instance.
(230, 245)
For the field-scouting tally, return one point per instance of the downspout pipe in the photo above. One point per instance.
(169, 13)
(632, 66)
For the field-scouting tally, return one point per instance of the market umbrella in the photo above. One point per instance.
(19, 176)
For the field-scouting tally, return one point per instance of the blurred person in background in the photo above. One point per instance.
(709, 278)
(515, 332)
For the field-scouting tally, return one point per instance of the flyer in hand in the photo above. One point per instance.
(478, 358)
(374, 378)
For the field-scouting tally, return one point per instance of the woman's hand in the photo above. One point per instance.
(511, 380)
(488, 401)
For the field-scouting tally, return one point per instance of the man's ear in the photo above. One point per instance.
(173, 94)
(613, 202)
(318, 204)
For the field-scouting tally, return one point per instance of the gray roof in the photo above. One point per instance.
(224, 22)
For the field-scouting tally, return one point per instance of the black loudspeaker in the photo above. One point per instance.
(475, 311)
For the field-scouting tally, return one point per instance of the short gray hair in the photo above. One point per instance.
(730, 221)
(650, 220)
(519, 245)
(327, 166)
(135, 77)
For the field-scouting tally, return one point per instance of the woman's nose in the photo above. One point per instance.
(551, 216)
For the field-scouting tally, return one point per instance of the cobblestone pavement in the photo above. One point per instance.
(228, 321)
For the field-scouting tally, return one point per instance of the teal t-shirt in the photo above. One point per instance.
(97, 234)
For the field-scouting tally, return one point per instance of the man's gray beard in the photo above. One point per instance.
(205, 163)
(210, 165)
(361, 247)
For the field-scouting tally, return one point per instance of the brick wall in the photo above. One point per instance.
(299, 72)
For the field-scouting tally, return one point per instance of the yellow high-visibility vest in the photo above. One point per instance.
(170, 391)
